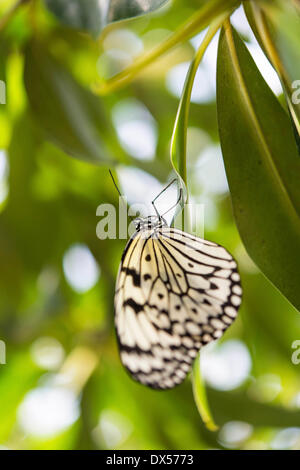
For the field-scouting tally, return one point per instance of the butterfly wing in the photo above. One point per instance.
(175, 293)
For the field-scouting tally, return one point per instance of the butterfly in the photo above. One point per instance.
(175, 293)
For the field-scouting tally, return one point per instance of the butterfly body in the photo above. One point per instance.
(175, 293)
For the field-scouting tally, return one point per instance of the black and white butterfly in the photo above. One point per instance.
(174, 294)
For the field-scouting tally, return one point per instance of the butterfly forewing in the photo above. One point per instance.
(175, 293)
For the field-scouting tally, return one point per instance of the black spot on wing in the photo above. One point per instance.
(135, 275)
(134, 305)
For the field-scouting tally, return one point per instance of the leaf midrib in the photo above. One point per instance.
(260, 134)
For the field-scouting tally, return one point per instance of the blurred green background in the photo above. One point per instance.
(63, 385)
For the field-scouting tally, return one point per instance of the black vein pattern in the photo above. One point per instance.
(174, 294)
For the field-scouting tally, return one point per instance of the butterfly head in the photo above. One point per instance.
(148, 223)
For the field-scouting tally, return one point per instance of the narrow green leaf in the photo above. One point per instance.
(262, 165)
(178, 142)
(286, 34)
(93, 16)
(70, 115)
(178, 160)
(205, 15)
(277, 28)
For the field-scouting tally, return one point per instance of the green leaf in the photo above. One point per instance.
(277, 28)
(286, 33)
(178, 142)
(203, 17)
(93, 16)
(262, 166)
(71, 116)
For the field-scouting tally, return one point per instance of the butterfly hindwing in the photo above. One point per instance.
(175, 293)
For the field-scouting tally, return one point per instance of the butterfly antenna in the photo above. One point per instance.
(177, 202)
(115, 184)
(159, 194)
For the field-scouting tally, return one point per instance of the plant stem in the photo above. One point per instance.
(10, 13)
(178, 143)
(200, 397)
(179, 161)
(193, 25)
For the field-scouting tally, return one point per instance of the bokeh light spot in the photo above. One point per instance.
(234, 433)
(210, 171)
(47, 411)
(47, 353)
(136, 128)
(288, 438)
(203, 89)
(265, 388)
(226, 366)
(80, 268)
(113, 429)
(124, 40)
